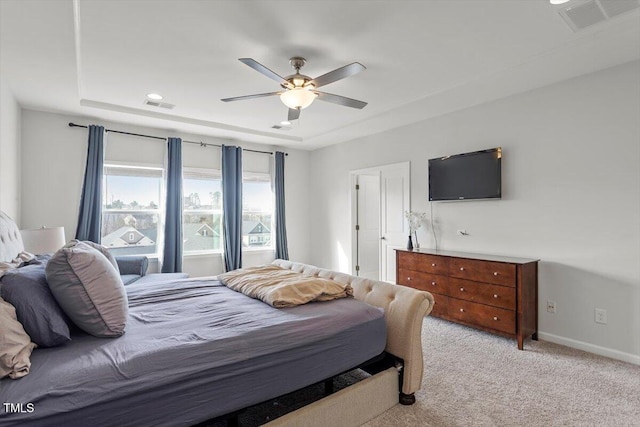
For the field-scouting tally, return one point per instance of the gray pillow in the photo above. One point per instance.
(103, 249)
(42, 318)
(89, 289)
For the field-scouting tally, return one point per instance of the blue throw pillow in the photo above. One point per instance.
(27, 290)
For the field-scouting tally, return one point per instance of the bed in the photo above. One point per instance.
(194, 350)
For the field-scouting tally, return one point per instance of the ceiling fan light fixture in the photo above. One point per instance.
(154, 96)
(555, 2)
(298, 97)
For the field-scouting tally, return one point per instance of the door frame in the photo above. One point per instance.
(353, 259)
(375, 170)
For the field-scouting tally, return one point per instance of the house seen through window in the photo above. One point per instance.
(131, 209)
(202, 214)
(257, 211)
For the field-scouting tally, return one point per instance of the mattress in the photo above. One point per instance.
(193, 350)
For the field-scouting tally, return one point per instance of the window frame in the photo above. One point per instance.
(159, 210)
(216, 173)
(271, 225)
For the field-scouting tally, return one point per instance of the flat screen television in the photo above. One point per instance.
(466, 176)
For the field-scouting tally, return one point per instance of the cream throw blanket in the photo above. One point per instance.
(15, 344)
(281, 287)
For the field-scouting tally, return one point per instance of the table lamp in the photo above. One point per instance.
(43, 240)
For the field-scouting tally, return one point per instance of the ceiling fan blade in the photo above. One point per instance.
(341, 100)
(257, 95)
(294, 114)
(264, 70)
(337, 74)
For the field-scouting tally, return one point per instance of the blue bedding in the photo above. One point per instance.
(193, 350)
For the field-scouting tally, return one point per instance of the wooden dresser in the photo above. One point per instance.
(493, 293)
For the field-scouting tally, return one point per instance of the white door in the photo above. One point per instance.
(368, 226)
(394, 200)
(392, 185)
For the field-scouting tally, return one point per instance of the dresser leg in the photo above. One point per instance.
(407, 399)
(520, 342)
(534, 336)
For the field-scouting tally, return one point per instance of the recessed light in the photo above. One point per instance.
(285, 123)
(154, 96)
(558, 1)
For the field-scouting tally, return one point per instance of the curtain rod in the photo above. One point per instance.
(200, 143)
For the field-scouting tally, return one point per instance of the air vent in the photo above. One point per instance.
(158, 104)
(592, 12)
(279, 127)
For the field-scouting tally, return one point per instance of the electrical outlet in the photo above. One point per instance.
(601, 316)
(551, 306)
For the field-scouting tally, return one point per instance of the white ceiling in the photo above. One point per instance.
(98, 58)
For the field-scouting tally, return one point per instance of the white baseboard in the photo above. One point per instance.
(591, 348)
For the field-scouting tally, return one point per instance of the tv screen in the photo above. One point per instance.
(466, 176)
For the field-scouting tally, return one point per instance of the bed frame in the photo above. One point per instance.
(404, 310)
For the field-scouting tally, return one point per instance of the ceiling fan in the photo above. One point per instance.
(299, 91)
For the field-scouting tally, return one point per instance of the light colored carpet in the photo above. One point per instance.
(473, 378)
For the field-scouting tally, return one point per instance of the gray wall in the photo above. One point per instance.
(54, 159)
(571, 197)
(9, 153)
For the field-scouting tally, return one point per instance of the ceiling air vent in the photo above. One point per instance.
(580, 15)
(158, 104)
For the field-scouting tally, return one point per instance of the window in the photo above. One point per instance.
(130, 209)
(257, 211)
(202, 211)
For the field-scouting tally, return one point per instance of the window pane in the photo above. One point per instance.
(202, 215)
(130, 215)
(130, 233)
(201, 231)
(257, 211)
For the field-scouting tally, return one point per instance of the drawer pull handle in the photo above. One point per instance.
(408, 278)
(495, 318)
(462, 310)
(461, 268)
(495, 295)
(433, 265)
(433, 283)
(495, 273)
(461, 289)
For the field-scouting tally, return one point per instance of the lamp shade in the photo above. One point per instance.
(298, 97)
(43, 240)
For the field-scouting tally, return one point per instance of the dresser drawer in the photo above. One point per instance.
(423, 262)
(482, 315)
(423, 281)
(497, 273)
(440, 306)
(484, 293)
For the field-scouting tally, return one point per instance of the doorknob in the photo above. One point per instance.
(383, 238)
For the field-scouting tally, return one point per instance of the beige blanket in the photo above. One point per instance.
(15, 344)
(281, 287)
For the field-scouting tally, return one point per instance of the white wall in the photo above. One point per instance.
(9, 153)
(571, 197)
(53, 164)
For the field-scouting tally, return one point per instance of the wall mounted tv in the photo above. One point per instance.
(475, 175)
